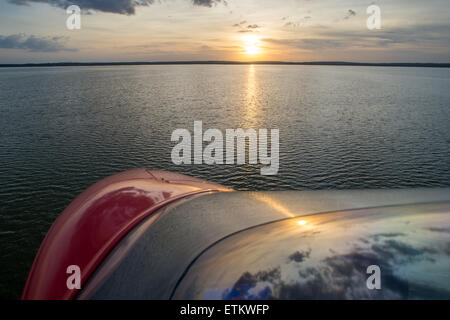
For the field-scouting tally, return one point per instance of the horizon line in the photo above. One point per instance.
(230, 62)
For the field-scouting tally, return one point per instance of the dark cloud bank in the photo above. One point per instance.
(113, 6)
(33, 43)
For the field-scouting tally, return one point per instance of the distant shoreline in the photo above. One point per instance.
(318, 63)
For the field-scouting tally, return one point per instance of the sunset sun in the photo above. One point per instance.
(252, 45)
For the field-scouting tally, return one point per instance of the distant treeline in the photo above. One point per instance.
(318, 63)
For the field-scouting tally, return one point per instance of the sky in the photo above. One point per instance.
(238, 30)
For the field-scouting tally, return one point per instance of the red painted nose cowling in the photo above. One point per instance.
(96, 221)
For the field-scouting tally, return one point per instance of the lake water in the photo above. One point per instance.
(64, 128)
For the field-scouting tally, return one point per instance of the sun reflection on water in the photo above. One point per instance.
(251, 104)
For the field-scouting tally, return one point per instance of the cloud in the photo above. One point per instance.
(239, 24)
(387, 235)
(206, 3)
(127, 7)
(300, 22)
(245, 285)
(306, 44)
(113, 6)
(447, 248)
(350, 13)
(343, 276)
(446, 230)
(433, 35)
(245, 29)
(33, 43)
(299, 256)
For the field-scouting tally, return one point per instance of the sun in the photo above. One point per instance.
(252, 49)
(252, 45)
